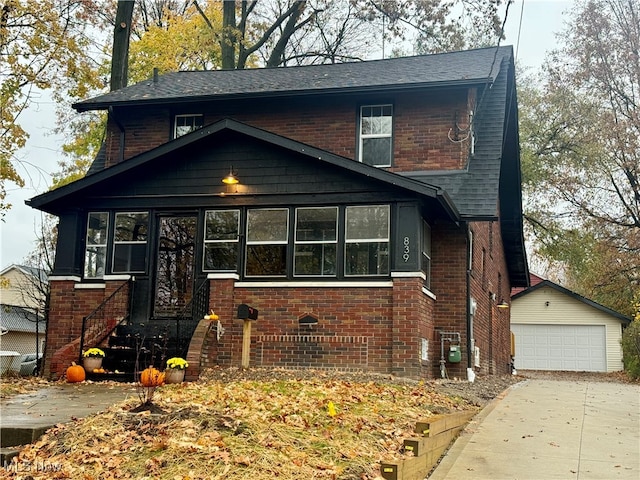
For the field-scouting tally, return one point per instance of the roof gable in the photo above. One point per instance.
(547, 283)
(185, 145)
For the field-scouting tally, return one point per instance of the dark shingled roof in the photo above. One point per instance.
(455, 68)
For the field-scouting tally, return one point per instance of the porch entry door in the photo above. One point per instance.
(175, 265)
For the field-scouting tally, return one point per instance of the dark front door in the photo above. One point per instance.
(175, 271)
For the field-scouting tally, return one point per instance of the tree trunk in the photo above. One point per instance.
(120, 52)
(228, 39)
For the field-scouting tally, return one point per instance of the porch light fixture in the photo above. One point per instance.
(502, 304)
(231, 178)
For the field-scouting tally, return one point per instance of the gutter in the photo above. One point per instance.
(468, 301)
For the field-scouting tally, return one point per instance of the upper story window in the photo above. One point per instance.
(367, 240)
(316, 240)
(186, 124)
(95, 257)
(221, 234)
(376, 129)
(130, 242)
(267, 238)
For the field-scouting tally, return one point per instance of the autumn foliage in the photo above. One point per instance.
(321, 426)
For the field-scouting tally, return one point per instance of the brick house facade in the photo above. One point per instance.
(382, 198)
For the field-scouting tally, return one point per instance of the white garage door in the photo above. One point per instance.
(560, 347)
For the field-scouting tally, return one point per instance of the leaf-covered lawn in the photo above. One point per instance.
(244, 429)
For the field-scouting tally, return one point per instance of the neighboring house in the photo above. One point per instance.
(382, 199)
(19, 285)
(20, 332)
(557, 329)
(21, 301)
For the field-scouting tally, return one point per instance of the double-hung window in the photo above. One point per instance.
(376, 129)
(130, 242)
(267, 238)
(367, 240)
(316, 239)
(221, 235)
(186, 124)
(426, 253)
(95, 257)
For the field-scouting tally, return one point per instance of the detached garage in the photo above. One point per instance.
(557, 329)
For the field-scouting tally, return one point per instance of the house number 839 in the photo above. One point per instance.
(405, 249)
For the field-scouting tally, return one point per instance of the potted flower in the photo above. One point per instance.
(92, 359)
(175, 370)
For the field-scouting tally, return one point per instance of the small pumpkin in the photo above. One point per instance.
(151, 377)
(75, 373)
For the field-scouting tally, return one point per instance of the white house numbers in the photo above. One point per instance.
(406, 249)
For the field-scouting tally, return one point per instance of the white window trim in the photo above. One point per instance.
(184, 115)
(362, 136)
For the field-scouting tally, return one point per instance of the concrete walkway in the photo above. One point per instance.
(24, 418)
(551, 429)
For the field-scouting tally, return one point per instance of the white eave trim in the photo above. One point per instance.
(286, 284)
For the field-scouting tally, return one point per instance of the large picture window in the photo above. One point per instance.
(316, 238)
(376, 129)
(95, 257)
(221, 233)
(130, 236)
(267, 237)
(367, 240)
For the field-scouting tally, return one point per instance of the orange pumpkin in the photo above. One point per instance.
(151, 377)
(75, 373)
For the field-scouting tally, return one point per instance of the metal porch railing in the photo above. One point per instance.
(99, 324)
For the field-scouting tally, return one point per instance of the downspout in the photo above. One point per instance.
(468, 300)
(112, 114)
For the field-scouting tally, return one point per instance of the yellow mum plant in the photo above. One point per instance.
(177, 363)
(93, 352)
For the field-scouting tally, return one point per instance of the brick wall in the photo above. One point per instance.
(68, 307)
(489, 277)
(424, 126)
(448, 273)
(359, 328)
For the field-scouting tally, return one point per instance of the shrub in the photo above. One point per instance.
(631, 349)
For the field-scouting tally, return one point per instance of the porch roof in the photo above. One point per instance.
(50, 201)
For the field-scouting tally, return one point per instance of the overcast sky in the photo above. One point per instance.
(541, 19)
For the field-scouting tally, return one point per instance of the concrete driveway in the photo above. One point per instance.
(551, 429)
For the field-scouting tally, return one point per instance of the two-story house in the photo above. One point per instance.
(371, 212)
